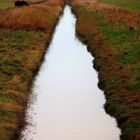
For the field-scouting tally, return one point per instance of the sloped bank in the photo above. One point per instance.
(24, 37)
(106, 36)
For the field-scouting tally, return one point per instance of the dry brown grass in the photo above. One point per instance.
(38, 17)
(24, 36)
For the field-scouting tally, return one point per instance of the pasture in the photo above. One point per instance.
(130, 5)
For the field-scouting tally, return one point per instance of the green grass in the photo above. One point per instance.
(131, 5)
(6, 4)
(124, 42)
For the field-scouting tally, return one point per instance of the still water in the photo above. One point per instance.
(68, 104)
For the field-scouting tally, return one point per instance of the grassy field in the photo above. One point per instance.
(22, 47)
(131, 5)
(6, 4)
(113, 37)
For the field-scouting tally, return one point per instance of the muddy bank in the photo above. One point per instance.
(22, 47)
(112, 37)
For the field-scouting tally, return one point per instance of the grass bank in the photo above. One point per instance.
(6, 4)
(130, 5)
(113, 37)
(22, 47)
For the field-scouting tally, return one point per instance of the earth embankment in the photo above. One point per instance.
(113, 37)
(24, 37)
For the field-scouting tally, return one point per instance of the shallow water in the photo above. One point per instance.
(68, 103)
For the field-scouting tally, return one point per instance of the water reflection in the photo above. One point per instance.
(69, 103)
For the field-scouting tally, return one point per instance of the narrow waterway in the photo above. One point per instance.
(68, 104)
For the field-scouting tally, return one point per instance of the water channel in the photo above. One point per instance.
(68, 104)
